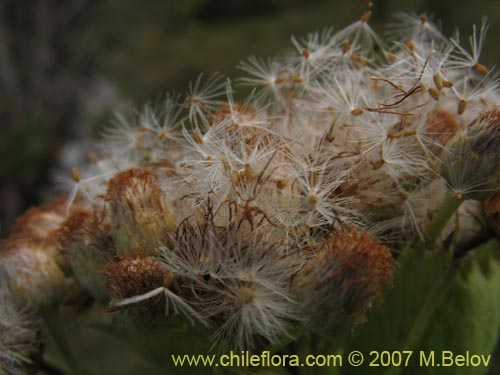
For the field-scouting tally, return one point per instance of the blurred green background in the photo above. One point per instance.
(67, 65)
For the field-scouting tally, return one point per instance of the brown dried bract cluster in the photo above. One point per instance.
(140, 216)
(340, 281)
(42, 222)
(32, 273)
(87, 245)
(31, 258)
(135, 275)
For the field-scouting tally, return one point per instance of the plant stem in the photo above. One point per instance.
(448, 208)
(56, 330)
(50, 366)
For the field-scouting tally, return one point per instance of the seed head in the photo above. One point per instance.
(18, 339)
(471, 165)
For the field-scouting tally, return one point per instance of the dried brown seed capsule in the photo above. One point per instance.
(366, 16)
(447, 83)
(462, 104)
(75, 175)
(434, 93)
(357, 112)
(480, 68)
(438, 81)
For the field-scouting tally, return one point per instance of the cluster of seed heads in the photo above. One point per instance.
(254, 217)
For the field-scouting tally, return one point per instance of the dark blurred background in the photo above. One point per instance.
(67, 65)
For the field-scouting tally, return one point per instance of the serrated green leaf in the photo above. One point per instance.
(469, 318)
(436, 304)
(420, 285)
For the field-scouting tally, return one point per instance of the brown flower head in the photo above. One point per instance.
(140, 216)
(31, 273)
(338, 284)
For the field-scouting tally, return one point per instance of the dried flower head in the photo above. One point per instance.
(31, 272)
(42, 223)
(240, 283)
(87, 246)
(339, 282)
(140, 216)
(135, 275)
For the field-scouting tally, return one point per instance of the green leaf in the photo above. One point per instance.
(436, 304)
(469, 318)
(420, 284)
(157, 341)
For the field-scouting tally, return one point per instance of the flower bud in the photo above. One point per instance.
(31, 272)
(42, 223)
(86, 245)
(140, 216)
(466, 227)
